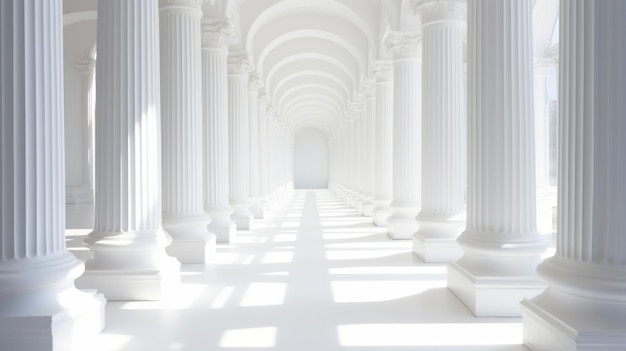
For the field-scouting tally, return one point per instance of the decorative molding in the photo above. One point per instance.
(382, 71)
(84, 64)
(368, 88)
(403, 44)
(264, 98)
(254, 82)
(218, 33)
(240, 63)
(438, 10)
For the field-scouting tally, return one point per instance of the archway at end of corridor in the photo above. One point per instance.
(310, 159)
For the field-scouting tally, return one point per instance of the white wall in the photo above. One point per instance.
(310, 159)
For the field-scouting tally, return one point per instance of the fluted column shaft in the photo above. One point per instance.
(407, 134)
(586, 277)
(441, 218)
(86, 66)
(37, 272)
(369, 145)
(263, 150)
(128, 238)
(239, 66)
(501, 244)
(254, 84)
(181, 119)
(383, 152)
(217, 35)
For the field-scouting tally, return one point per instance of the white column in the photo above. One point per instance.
(181, 120)
(263, 153)
(239, 65)
(501, 244)
(369, 90)
(128, 242)
(407, 134)
(584, 307)
(40, 308)
(442, 218)
(217, 35)
(542, 122)
(383, 153)
(254, 84)
(86, 66)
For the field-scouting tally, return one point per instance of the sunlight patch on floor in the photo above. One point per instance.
(264, 337)
(430, 334)
(264, 294)
(379, 290)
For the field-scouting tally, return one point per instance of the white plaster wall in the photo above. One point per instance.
(77, 39)
(310, 159)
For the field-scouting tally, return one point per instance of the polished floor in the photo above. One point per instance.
(315, 276)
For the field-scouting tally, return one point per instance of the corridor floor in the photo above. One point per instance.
(314, 276)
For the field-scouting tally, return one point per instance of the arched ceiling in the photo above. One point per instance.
(312, 55)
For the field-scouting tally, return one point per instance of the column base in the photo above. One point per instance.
(192, 242)
(550, 323)
(224, 233)
(436, 249)
(243, 222)
(258, 212)
(401, 228)
(367, 209)
(488, 295)
(435, 241)
(64, 330)
(380, 216)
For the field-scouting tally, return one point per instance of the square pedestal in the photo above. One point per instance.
(244, 222)
(379, 217)
(436, 250)
(401, 229)
(193, 251)
(63, 331)
(491, 296)
(133, 285)
(224, 233)
(544, 330)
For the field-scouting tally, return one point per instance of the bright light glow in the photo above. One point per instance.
(372, 291)
(283, 238)
(276, 273)
(264, 294)
(389, 270)
(222, 298)
(358, 255)
(249, 337)
(430, 334)
(110, 342)
(182, 298)
(278, 257)
(248, 259)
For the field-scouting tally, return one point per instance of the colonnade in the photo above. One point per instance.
(495, 251)
(190, 149)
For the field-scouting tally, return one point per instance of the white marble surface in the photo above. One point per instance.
(315, 275)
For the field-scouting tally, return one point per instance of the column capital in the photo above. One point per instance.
(544, 62)
(218, 33)
(184, 5)
(240, 63)
(440, 10)
(254, 82)
(84, 64)
(368, 87)
(382, 71)
(403, 44)
(264, 99)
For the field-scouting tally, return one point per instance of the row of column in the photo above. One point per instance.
(577, 301)
(164, 161)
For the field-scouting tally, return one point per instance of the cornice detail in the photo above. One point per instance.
(218, 33)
